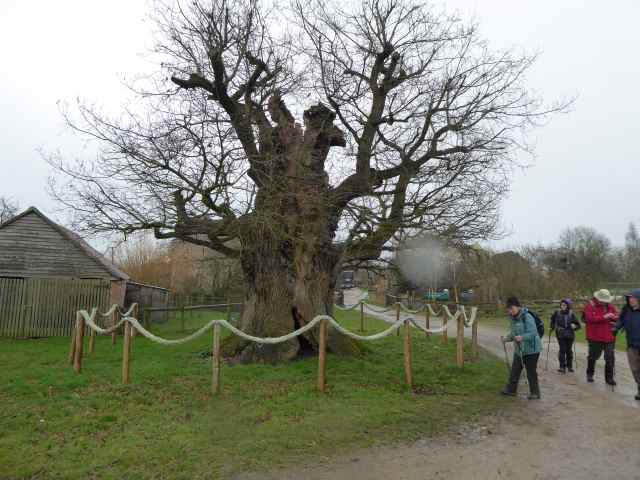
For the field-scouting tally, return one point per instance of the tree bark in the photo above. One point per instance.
(289, 258)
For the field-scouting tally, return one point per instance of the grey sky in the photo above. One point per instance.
(586, 168)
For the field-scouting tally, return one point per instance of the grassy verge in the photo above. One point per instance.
(55, 424)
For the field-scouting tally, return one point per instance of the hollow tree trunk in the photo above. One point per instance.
(289, 258)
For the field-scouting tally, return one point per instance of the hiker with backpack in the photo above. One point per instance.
(565, 323)
(600, 317)
(527, 346)
(629, 321)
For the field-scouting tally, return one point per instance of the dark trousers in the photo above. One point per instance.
(595, 351)
(531, 365)
(565, 355)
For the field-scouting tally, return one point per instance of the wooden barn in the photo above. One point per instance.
(47, 273)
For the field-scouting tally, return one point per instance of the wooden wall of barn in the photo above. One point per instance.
(46, 307)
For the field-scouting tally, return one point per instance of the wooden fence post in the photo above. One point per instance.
(460, 342)
(135, 313)
(72, 346)
(126, 352)
(398, 317)
(427, 319)
(361, 316)
(474, 338)
(322, 356)
(408, 374)
(92, 341)
(77, 360)
(445, 324)
(229, 309)
(114, 320)
(215, 360)
(182, 327)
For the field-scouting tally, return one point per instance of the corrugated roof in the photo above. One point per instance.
(75, 239)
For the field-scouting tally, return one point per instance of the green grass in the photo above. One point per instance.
(165, 424)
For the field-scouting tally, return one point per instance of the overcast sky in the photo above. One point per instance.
(588, 162)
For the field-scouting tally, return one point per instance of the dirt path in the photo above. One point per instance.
(577, 431)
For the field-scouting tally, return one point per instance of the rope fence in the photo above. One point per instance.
(128, 320)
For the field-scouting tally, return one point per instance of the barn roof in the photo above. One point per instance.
(73, 238)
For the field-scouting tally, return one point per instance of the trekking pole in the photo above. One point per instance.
(506, 355)
(526, 377)
(546, 363)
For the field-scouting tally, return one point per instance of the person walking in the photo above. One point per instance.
(565, 324)
(600, 317)
(526, 351)
(629, 321)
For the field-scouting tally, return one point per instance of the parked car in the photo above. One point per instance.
(441, 296)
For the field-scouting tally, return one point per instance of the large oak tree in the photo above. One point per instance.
(305, 138)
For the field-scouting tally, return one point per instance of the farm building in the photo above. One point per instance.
(47, 273)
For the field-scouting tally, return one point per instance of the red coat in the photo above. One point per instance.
(598, 327)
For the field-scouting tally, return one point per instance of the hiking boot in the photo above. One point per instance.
(571, 370)
(533, 396)
(611, 381)
(590, 378)
(562, 370)
(508, 393)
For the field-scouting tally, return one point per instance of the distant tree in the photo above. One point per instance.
(631, 255)
(587, 255)
(8, 209)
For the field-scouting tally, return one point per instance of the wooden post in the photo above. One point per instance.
(427, 319)
(77, 360)
(126, 352)
(182, 327)
(72, 346)
(398, 317)
(322, 356)
(361, 316)
(228, 309)
(92, 341)
(408, 374)
(474, 338)
(134, 314)
(114, 320)
(460, 342)
(215, 359)
(445, 324)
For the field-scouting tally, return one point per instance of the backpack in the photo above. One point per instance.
(539, 323)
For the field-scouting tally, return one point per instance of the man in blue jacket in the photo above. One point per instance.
(629, 321)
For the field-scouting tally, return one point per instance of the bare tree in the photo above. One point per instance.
(8, 209)
(411, 126)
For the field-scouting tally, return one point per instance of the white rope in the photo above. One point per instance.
(377, 310)
(408, 310)
(115, 307)
(89, 320)
(362, 298)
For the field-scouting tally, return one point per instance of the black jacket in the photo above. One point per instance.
(563, 323)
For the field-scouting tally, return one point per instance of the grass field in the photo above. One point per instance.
(165, 424)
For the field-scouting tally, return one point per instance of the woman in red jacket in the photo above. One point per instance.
(600, 316)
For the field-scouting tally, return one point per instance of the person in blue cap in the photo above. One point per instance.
(565, 323)
(629, 321)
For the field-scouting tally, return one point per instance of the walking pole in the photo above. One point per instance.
(506, 355)
(546, 363)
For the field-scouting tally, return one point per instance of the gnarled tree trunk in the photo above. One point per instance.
(289, 258)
